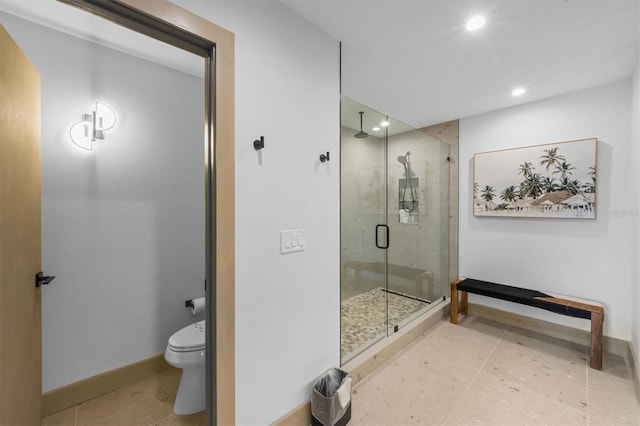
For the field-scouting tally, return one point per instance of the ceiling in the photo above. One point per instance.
(70, 20)
(413, 59)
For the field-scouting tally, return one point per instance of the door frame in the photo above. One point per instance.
(163, 20)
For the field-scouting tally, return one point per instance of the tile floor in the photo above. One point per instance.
(476, 373)
(144, 403)
(485, 373)
(363, 318)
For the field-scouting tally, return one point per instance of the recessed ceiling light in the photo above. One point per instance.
(475, 23)
(384, 123)
(375, 129)
(518, 91)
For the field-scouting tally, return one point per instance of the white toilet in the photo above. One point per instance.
(186, 351)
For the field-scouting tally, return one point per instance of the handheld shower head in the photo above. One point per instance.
(361, 134)
(404, 159)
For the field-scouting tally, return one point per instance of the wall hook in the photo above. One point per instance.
(259, 143)
(324, 157)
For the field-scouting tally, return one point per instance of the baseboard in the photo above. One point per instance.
(92, 387)
(634, 363)
(372, 359)
(299, 416)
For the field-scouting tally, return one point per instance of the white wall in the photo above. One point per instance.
(287, 306)
(635, 141)
(122, 225)
(583, 258)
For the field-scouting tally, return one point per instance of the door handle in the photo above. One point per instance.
(386, 246)
(42, 279)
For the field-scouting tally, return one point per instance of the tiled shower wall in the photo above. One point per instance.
(423, 245)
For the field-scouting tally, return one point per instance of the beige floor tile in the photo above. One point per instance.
(63, 418)
(141, 403)
(552, 367)
(417, 387)
(468, 343)
(494, 401)
(175, 420)
(612, 399)
(477, 372)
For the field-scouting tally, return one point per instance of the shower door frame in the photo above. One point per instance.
(164, 21)
(451, 219)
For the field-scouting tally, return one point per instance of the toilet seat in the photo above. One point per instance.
(188, 339)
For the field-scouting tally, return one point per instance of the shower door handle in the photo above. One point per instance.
(386, 246)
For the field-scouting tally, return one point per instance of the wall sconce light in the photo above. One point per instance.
(92, 127)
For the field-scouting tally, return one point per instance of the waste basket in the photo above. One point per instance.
(331, 399)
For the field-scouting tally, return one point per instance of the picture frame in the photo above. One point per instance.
(554, 180)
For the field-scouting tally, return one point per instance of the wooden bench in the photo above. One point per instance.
(564, 305)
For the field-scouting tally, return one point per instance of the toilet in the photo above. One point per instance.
(186, 351)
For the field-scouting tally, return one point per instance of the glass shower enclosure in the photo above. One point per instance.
(394, 225)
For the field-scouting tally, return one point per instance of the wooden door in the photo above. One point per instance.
(20, 328)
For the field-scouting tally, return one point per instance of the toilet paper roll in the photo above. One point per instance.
(198, 305)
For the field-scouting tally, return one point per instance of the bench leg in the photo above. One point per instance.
(464, 309)
(595, 352)
(454, 302)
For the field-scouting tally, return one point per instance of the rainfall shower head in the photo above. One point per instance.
(361, 134)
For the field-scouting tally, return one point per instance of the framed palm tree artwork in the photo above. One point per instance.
(556, 180)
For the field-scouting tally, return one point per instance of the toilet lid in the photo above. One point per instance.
(189, 338)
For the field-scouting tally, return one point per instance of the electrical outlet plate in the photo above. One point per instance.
(292, 240)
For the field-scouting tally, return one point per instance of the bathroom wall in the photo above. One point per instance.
(422, 245)
(635, 180)
(122, 225)
(287, 306)
(584, 258)
(363, 196)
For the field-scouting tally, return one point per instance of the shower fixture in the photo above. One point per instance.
(404, 204)
(361, 134)
(403, 159)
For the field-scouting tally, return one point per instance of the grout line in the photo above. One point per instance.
(477, 374)
(75, 420)
(586, 365)
(489, 356)
(587, 390)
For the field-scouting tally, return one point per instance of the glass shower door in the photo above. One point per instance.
(394, 225)
(363, 299)
(418, 214)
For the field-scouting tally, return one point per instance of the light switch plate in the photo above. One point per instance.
(292, 240)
